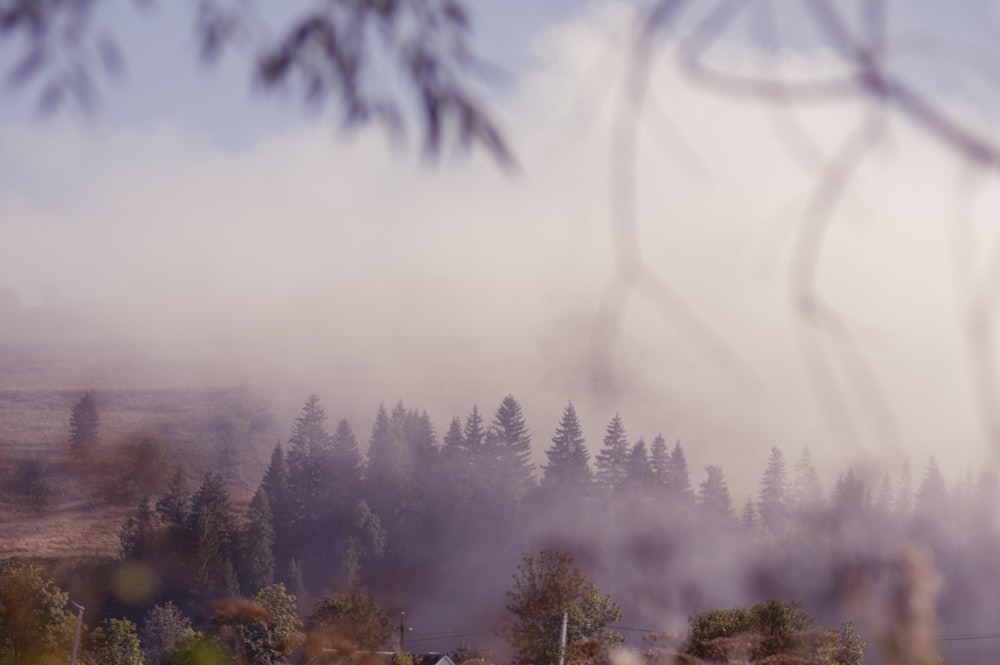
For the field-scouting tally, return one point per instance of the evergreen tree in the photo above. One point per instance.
(882, 509)
(509, 442)
(275, 486)
(309, 466)
(454, 440)
(773, 498)
(385, 452)
(659, 461)
(163, 627)
(256, 545)
(475, 433)
(84, 423)
(265, 638)
(346, 457)
(116, 643)
(748, 518)
(211, 536)
(174, 506)
(713, 494)
(612, 460)
(639, 474)
(904, 498)
(678, 485)
(569, 459)
(849, 494)
(807, 491)
(931, 504)
(140, 533)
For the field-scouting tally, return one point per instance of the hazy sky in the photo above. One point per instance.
(210, 218)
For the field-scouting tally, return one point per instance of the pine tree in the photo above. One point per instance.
(175, 505)
(346, 456)
(475, 434)
(807, 491)
(257, 545)
(904, 498)
(931, 504)
(211, 535)
(678, 484)
(385, 452)
(275, 486)
(883, 504)
(163, 627)
(569, 459)
(309, 465)
(748, 518)
(612, 460)
(713, 494)
(849, 494)
(84, 423)
(510, 442)
(659, 461)
(773, 498)
(639, 474)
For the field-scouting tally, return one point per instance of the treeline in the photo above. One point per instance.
(434, 525)
(416, 518)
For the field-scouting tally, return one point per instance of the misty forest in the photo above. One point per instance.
(572, 332)
(341, 539)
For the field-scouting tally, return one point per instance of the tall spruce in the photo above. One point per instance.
(84, 424)
(612, 460)
(931, 503)
(509, 442)
(639, 476)
(772, 502)
(659, 461)
(309, 465)
(256, 545)
(713, 494)
(678, 484)
(211, 539)
(568, 459)
(807, 491)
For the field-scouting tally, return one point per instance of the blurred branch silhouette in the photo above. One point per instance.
(861, 40)
(336, 50)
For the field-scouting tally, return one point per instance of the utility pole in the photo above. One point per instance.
(562, 639)
(402, 627)
(79, 622)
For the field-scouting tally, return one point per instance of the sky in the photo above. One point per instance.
(208, 222)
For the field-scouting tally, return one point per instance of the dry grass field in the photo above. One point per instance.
(52, 505)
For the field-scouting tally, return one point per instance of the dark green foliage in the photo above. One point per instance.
(569, 459)
(84, 423)
(509, 445)
(174, 507)
(713, 494)
(263, 627)
(612, 460)
(211, 537)
(198, 649)
(140, 535)
(256, 545)
(352, 617)
(35, 625)
(659, 461)
(768, 630)
(546, 585)
(678, 480)
(116, 643)
(640, 474)
(163, 627)
(475, 434)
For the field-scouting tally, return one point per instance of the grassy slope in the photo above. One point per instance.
(69, 513)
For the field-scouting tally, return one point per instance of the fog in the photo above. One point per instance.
(310, 261)
(306, 255)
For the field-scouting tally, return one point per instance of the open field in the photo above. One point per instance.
(50, 505)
